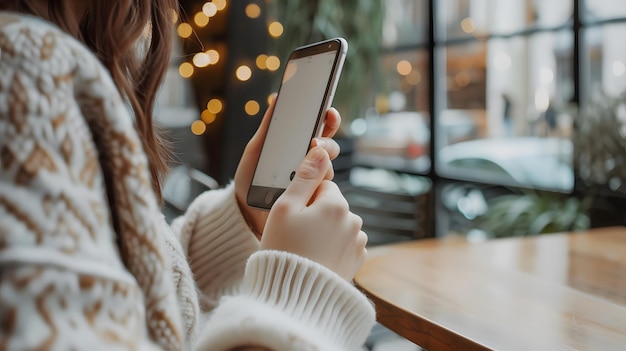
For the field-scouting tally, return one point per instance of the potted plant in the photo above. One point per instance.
(533, 212)
(600, 145)
(600, 167)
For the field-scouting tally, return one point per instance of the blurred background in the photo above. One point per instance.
(494, 117)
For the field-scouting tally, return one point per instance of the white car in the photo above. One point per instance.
(541, 163)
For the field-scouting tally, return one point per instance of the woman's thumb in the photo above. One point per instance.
(308, 176)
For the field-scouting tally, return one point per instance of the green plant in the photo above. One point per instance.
(534, 212)
(600, 163)
(360, 22)
(600, 143)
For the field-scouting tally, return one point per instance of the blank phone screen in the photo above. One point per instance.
(293, 123)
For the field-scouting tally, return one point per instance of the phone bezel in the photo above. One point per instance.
(263, 197)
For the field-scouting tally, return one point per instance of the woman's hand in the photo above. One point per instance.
(243, 177)
(312, 219)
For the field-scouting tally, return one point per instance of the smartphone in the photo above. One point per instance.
(306, 92)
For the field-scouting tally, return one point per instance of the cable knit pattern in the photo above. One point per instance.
(65, 284)
(291, 304)
(63, 130)
(218, 261)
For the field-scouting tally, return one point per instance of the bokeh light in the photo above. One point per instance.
(208, 117)
(220, 4)
(468, 25)
(201, 59)
(184, 30)
(404, 67)
(261, 61)
(253, 11)
(198, 127)
(272, 63)
(414, 78)
(252, 107)
(243, 73)
(209, 9)
(275, 29)
(214, 56)
(201, 19)
(215, 106)
(185, 69)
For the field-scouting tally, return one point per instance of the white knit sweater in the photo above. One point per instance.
(83, 271)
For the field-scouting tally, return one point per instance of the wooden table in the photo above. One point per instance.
(552, 292)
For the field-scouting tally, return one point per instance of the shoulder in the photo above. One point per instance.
(36, 47)
(21, 31)
(44, 65)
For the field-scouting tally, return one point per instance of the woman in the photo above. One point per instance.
(86, 259)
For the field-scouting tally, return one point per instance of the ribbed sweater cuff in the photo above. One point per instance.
(220, 242)
(312, 295)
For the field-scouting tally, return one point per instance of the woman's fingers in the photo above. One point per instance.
(332, 123)
(329, 145)
(311, 172)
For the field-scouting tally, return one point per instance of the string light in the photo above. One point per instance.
(252, 107)
(275, 29)
(243, 73)
(261, 61)
(209, 9)
(185, 69)
(220, 4)
(272, 63)
(201, 59)
(214, 56)
(198, 127)
(208, 117)
(174, 16)
(184, 30)
(201, 19)
(253, 11)
(214, 106)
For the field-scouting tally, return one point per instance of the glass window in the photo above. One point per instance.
(406, 23)
(507, 111)
(595, 10)
(396, 133)
(605, 70)
(465, 81)
(469, 18)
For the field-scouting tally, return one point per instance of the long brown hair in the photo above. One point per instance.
(112, 30)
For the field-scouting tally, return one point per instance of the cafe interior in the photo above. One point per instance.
(483, 143)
